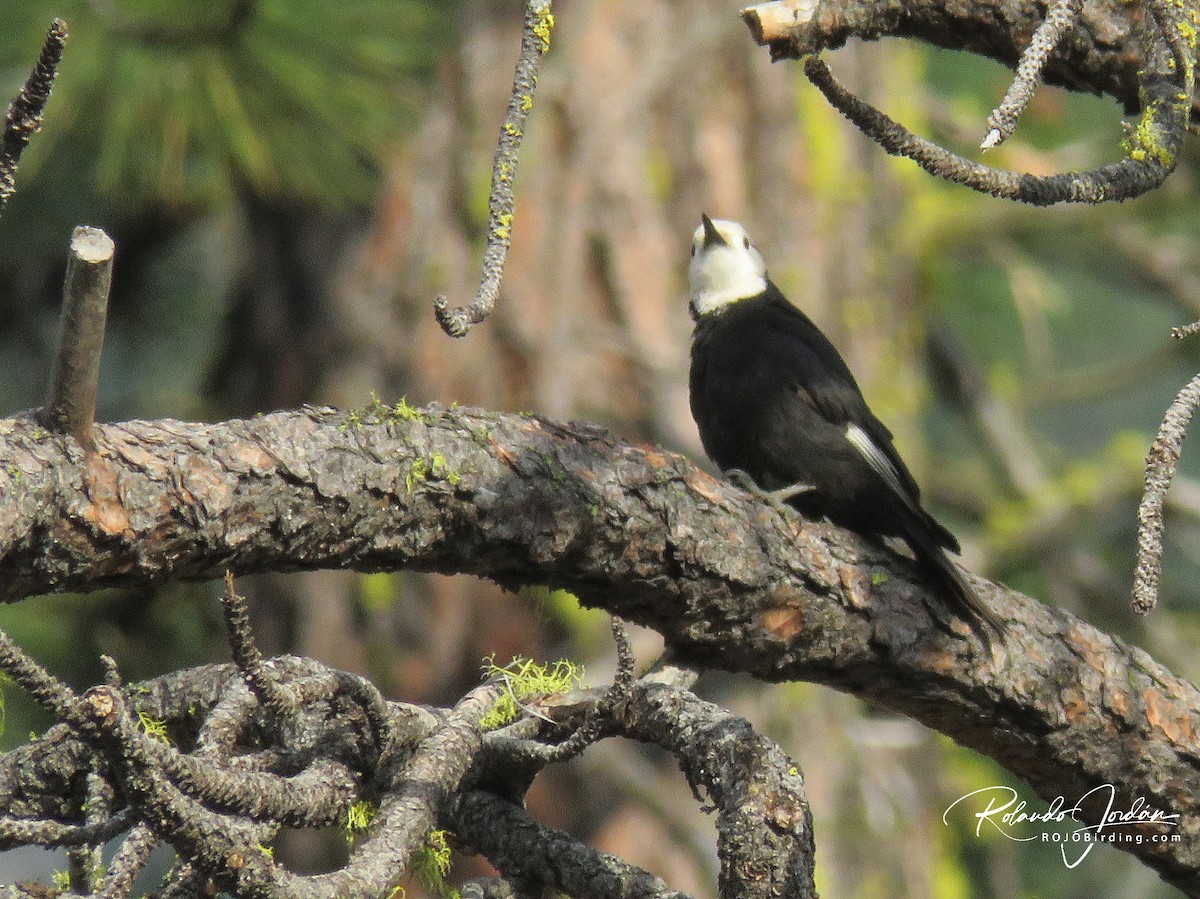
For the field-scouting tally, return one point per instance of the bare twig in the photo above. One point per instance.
(24, 116)
(49, 692)
(273, 695)
(593, 723)
(71, 404)
(1145, 168)
(1161, 461)
(1060, 21)
(535, 43)
(1185, 331)
(85, 863)
(1160, 85)
(129, 859)
(23, 832)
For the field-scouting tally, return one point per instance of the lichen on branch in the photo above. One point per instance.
(1149, 69)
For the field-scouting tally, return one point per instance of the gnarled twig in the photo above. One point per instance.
(1132, 176)
(535, 43)
(1060, 20)
(1161, 462)
(24, 116)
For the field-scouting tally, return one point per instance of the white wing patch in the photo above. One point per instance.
(879, 462)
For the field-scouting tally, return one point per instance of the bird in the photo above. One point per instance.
(780, 413)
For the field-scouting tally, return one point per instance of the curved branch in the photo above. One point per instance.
(1161, 461)
(1144, 169)
(1162, 85)
(1102, 56)
(535, 43)
(764, 826)
(525, 850)
(640, 532)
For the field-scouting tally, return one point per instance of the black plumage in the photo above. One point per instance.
(774, 398)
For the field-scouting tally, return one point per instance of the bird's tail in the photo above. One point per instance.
(956, 588)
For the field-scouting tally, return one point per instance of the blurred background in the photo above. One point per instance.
(290, 182)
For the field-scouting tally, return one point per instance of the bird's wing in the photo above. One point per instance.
(896, 477)
(824, 382)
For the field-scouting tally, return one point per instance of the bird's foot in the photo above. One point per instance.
(777, 499)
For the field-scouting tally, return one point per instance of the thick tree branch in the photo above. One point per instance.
(1102, 56)
(643, 533)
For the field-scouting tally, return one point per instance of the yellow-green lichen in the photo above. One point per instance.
(431, 864)
(153, 728)
(358, 818)
(1144, 141)
(503, 226)
(524, 679)
(544, 27)
(377, 412)
(434, 468)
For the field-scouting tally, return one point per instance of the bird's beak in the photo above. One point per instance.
(711, 234)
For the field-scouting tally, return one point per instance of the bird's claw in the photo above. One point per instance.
(777, 499)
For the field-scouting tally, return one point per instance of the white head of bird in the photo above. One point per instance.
(725, 266)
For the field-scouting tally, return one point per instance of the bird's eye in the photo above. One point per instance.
(693, 249)
(746, 242)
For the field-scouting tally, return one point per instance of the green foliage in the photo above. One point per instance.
(524, 679)
(186, 103)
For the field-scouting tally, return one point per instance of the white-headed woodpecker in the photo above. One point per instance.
(776, 404)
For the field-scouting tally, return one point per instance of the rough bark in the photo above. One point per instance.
(636, 530)
(1101, 56)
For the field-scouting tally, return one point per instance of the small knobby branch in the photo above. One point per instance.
(1160, 84)
(535, 43)
(642, 533)
(1060, 21)
(1161, 462)
(24, 115)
